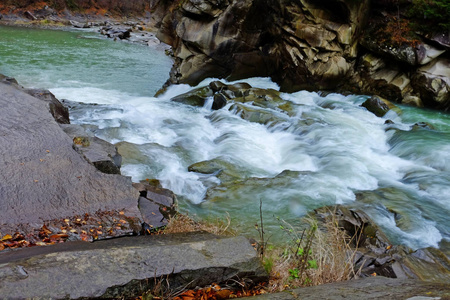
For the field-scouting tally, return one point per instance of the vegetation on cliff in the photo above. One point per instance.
(116, 7)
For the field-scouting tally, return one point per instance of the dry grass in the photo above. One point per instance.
(330, 249)
(185, 223)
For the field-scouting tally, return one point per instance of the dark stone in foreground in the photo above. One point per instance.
(126, 267)
(368, 288)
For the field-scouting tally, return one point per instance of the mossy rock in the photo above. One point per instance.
(256, 114)
(222, 169)
(196, 97)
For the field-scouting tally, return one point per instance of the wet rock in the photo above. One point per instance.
(103, 155)
(217, 86)
(422, 125)
(257, 115)
(57, 109)
(222, 169)
(127, 267)
(219, 101)
(43, 178)
(376, 105)
(196, 97)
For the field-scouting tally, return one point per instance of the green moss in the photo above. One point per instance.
(430, 15)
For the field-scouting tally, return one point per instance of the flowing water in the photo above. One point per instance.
(327, 150)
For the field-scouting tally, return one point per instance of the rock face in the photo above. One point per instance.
(127, 267)
(43, 178)
(312, 45)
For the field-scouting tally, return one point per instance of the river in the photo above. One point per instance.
(328, 150)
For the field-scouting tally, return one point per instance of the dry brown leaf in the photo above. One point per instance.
(58, 236)
(7, 237)
(223, 294)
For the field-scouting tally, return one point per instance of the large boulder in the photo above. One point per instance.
(45, 181)
(127, 267)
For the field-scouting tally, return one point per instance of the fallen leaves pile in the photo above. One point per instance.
(102, 224)
(212, 292)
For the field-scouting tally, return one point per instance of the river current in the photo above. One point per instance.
(327, 151)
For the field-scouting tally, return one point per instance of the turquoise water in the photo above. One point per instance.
(328, 150)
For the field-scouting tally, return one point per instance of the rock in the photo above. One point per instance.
(44, 179)
(217, 86)
(376, 105)
(103, 155)
(413, 101)
(257, 115)
(222, 169)
(30, 16)
(9, 80)
(116, 32)
(57, 109)
(432, 82)
(219, 101)
(368, 288)
(157, 205)
(127, 267)
(80, 25)
(196, 97)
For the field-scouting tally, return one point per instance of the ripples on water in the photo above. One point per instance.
(328, 150)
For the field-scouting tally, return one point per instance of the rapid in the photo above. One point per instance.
(327, 150)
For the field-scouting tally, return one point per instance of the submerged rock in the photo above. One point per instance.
(127, 267)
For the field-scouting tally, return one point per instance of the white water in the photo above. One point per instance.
(341, 152)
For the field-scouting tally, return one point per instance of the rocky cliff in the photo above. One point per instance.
(365, 47)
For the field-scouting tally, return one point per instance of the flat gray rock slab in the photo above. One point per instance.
(41, 176)
(367, 288)
(126, 267)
